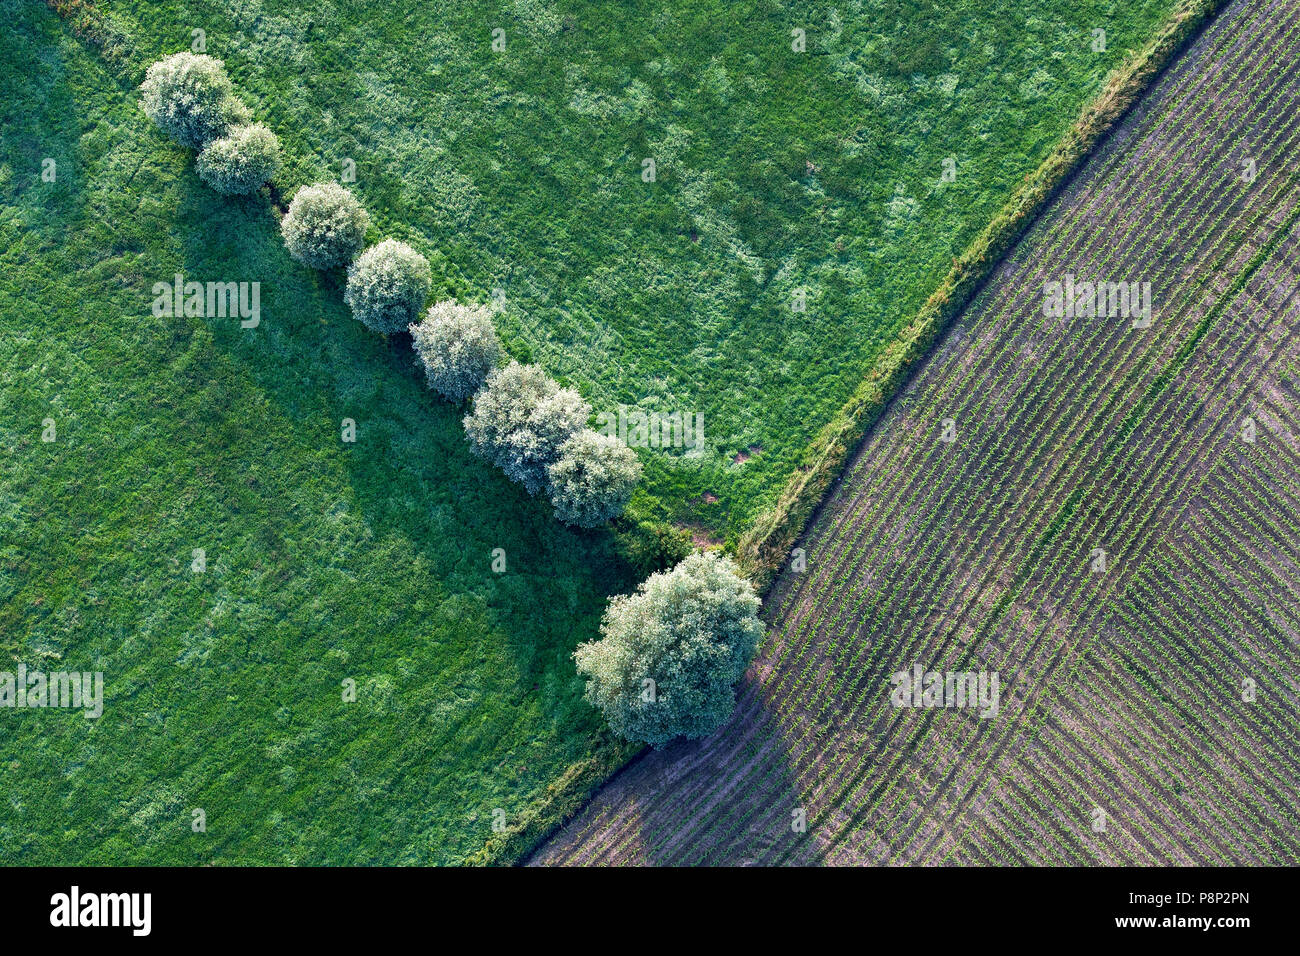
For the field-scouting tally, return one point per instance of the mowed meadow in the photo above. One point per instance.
(325, 561)
(775, 171)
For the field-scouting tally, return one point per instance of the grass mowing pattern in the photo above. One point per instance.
(325, 561)
(1120, 691)
(775, 171)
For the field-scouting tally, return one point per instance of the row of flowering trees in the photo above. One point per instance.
(520, 419)
(670, 654)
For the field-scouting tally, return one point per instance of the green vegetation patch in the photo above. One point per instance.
(778, 175)
(322, 560)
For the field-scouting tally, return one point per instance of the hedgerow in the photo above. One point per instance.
(522, 419)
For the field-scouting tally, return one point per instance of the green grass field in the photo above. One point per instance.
(775, 171)
(371, 561)
(325, 561)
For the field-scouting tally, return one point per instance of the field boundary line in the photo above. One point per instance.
(762, 548)
(774, 531)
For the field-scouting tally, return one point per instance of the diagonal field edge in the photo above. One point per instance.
(773, 533)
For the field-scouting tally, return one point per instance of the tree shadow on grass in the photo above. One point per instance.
(410, 468)
(325, 560)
